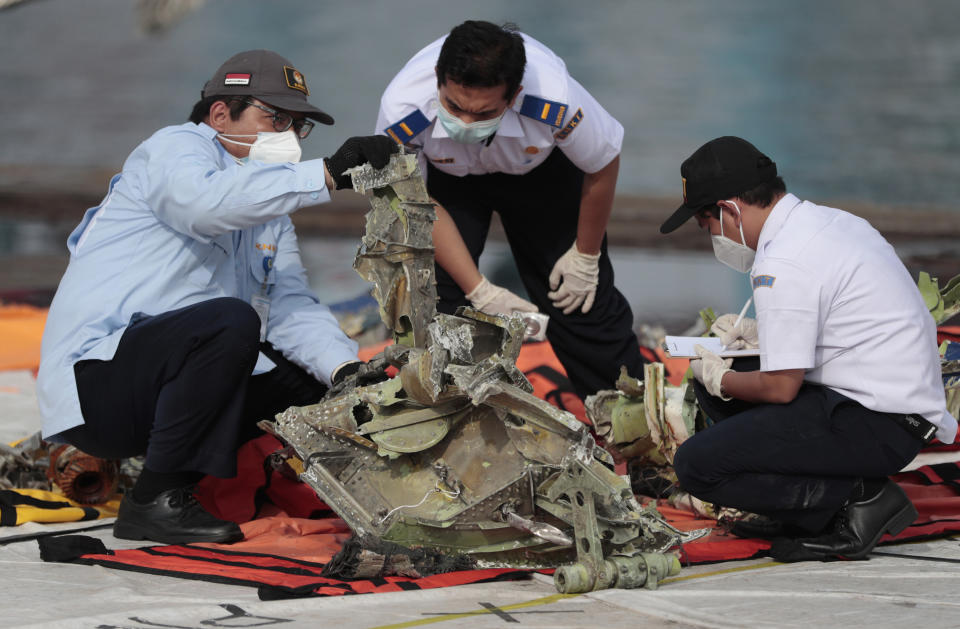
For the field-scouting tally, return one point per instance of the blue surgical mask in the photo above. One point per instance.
(467, 132)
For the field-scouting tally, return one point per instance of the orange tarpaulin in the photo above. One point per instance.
(948, 333)
(21, 328)
(308, 540)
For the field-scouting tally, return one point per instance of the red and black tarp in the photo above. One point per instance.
(290, 534)
(275, 576)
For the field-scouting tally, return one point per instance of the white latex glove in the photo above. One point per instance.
(743, 336)
(709, 370)
(580, 273)
(493, 299)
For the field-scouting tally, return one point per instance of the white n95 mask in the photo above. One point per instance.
(271, 147)
(736, 255)
(467, 132)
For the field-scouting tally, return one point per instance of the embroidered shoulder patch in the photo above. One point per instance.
(548, 111)
(408, 128)
(567, 130)
(763, 280)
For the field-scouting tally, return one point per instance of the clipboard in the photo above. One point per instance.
(683, 347)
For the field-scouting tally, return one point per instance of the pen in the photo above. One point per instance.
(743, 311)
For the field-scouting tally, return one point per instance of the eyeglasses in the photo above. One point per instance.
(283, 121)
(708, 213)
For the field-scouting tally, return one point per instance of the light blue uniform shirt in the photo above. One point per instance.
(183, 223)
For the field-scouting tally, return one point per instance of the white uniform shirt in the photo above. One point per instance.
(833, 298)
(567, 117)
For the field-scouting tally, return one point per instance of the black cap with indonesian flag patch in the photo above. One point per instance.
(268, 77)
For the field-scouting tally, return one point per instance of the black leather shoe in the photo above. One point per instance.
(856, 530)
(173, 517)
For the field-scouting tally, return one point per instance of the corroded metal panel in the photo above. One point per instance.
(455, 454)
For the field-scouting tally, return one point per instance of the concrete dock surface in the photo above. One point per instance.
(909, 584)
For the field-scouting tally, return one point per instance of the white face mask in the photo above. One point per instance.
(467, 132)
(270, 147)
(735, 255)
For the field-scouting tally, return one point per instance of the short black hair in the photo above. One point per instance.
(201, 109)
(764, 194)
(482, 54)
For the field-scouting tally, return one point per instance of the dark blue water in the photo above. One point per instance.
(856, 100)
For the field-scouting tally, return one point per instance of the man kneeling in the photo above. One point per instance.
(184, 316)
(848, 387)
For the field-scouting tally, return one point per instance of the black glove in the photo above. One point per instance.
(375, 149)
(357, 374)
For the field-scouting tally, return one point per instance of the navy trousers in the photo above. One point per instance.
(795, 462)
(539, 212)
(179, 390)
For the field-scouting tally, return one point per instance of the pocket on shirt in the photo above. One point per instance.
(263, 254)
(261, 268)
(207, 259)
(457, 170)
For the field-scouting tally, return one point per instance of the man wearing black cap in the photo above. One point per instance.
(848, 388)
(184, 316)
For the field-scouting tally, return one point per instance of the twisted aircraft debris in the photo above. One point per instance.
(454, 457)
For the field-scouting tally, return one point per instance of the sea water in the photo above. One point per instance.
(856, 100)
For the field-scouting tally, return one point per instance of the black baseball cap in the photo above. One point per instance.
(267, 76)
(720, 169)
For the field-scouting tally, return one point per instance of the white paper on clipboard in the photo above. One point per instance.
(683, 347)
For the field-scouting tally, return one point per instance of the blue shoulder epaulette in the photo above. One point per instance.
(408, 128)
(548, 111)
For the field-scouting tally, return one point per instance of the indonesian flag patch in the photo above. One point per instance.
(236, 78)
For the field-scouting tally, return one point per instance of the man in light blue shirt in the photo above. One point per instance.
(184, 315)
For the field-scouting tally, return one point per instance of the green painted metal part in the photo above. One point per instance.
(943, 303)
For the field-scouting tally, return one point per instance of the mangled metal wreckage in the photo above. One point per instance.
(454, 457)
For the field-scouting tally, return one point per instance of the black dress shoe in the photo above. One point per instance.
(173, 517)
(856, 530)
